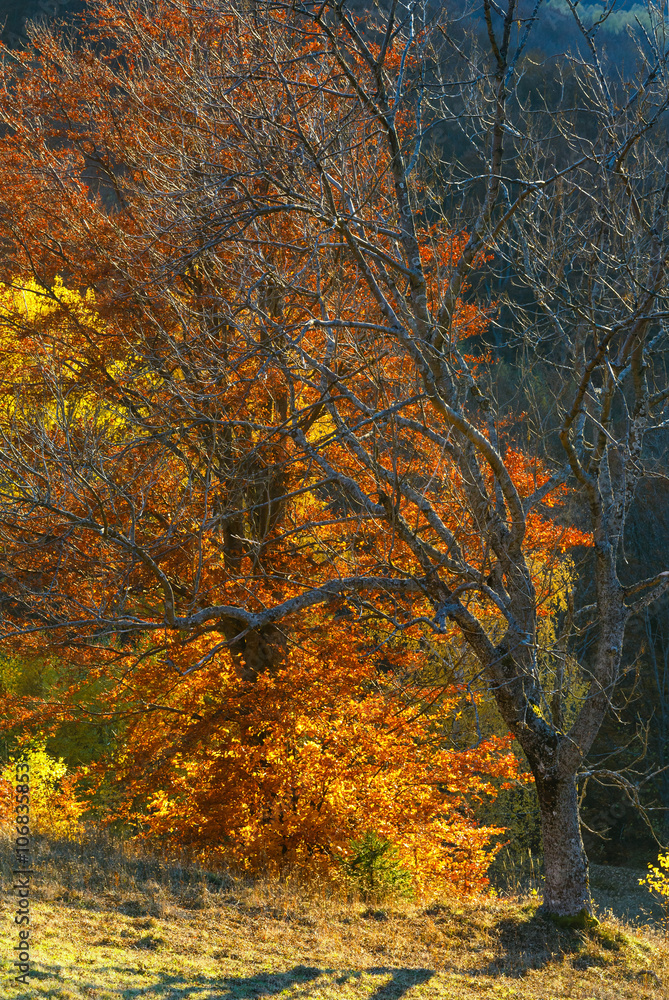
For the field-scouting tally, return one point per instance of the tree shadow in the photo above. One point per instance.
(403, 980)
(170, 986)
(533, 942)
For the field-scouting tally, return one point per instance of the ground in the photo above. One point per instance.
(108, 925)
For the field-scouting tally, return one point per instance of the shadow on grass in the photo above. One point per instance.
(264, 984)
(535, 942)
(402, 981)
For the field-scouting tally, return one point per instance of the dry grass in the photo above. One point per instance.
(107, 924)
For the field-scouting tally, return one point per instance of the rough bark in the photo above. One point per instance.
(567, 888)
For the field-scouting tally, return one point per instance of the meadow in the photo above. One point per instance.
(110, 923)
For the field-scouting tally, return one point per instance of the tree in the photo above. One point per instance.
(275, 406)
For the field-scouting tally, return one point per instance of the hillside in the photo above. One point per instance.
(111, 926)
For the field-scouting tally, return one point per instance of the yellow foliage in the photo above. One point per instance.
(657, 881)
(53, 808)
(49, 330)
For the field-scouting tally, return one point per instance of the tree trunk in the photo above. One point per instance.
(567, 888)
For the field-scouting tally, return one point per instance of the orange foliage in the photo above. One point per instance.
(288, 770)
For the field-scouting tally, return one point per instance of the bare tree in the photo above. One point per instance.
(282, 300)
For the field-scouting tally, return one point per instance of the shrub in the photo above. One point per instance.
(373, 868)
(657, 881)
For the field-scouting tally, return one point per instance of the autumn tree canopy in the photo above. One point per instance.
(244, 376)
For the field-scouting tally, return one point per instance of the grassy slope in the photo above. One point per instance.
(106, 926)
